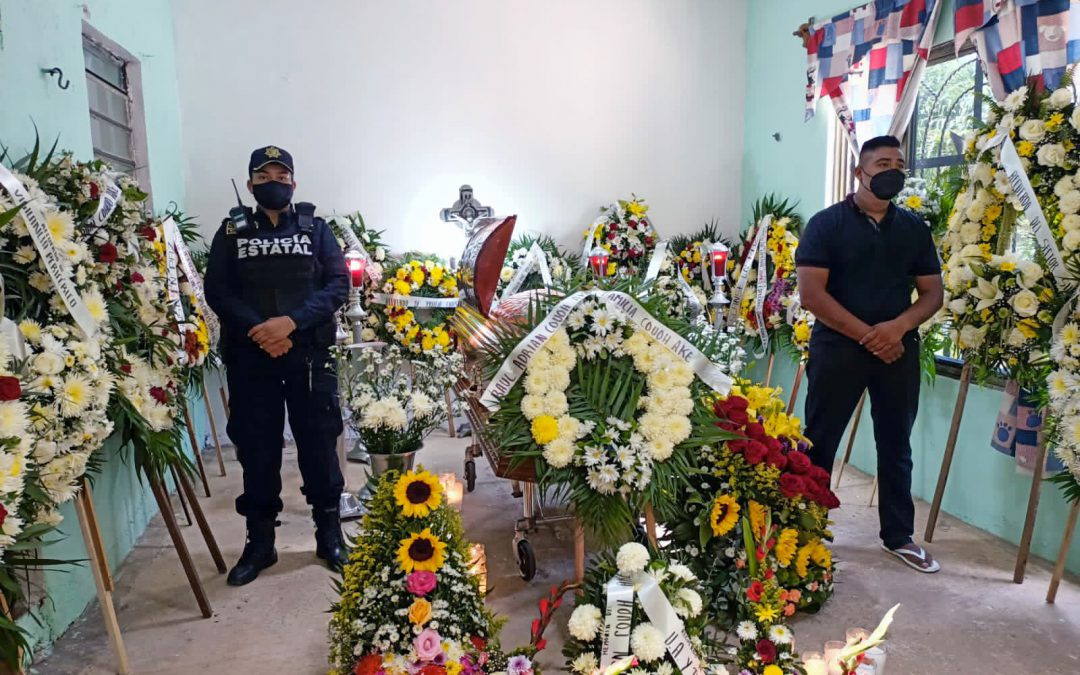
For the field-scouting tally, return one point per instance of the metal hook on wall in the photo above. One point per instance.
(60, 81)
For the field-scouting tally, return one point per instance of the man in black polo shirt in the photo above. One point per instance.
(858, 262)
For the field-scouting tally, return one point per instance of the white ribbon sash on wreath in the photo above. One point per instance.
(172, 275)
(351, 240)
(758, 251)
(653, 271)
(10, 335)
(535, 260)
(58, 269)
(514, 366)
(191, 273)
(656, 262)
(706, 278)
(618, 623)
(395, 300)
(110, 199)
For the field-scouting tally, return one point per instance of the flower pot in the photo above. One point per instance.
(380, 464)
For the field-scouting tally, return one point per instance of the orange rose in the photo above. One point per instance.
(420, 612)
(794, 595)
(789, 609)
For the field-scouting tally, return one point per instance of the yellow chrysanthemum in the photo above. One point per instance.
(453, 668)
(436, 276)
(427, 343)
(421, 552)
(418, 493)
(772, 669)
(913, 202)
(724, 514)
(402, 287)
(786, 546)
(1025, 148)
(30, 329)
(401, 274)
(611, 267)
(442, 337)
(545, 429)
(766, 613)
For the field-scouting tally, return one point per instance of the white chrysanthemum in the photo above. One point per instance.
(422, 404)
(31, 330)
(689, 602)
(532, 406)
(559, 452)
(660, 450)
(584, 623)
(647, 643)
(61, 225)
(507, 274)
(680, 571)
(95, 305)
(632, 558)
(76, 393)
(1014, 101)
(555, 404)
(780, 634)
(585, 664)
(747, 630)
(12, 419)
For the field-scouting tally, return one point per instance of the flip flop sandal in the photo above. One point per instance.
(915, 557)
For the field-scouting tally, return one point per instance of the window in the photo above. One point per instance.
(113, 85)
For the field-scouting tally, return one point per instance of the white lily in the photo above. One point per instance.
(849, 654)
(987, 292)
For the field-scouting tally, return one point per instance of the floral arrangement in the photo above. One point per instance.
(408, 604)
(755, 525)
(781, 310)
(399, 323)
(394, 405)
(919, 197)
(15, 445)
(561, 265)
(1063, 426)
(624, 230)
(634, 564)
(605, 411)
(370, 239)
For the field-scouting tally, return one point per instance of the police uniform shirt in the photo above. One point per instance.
(872, 266)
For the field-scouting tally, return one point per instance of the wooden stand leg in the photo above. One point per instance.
(180, 494)
(873, 492)
(851, 438)
(650, 526)
(1063, 552)
(99, 567)
(224, 401)
(213, 429)
(579, 553)
(795, 387)
(200, 518)
(450, 415)
(950, 448)
(195, 450)
(1032, 510)
(768, 371)
(188, 564)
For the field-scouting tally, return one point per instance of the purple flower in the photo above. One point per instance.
(519, 665)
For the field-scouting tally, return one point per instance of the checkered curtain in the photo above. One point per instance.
(1020, 39)
(869, 61)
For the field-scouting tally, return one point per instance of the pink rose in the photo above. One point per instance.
(420, 583)
(428, 645)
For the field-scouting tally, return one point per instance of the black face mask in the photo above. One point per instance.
(887, 184)
(273, 196)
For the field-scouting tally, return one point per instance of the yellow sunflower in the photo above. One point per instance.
(418, 494)
(757, 519)
(421, 552)
(725, 514)
(786, 546)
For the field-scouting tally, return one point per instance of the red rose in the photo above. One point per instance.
(369, 665)
(755, 591)
(819, 475)
(126, 368)
(766, 651)
(632, 224)
(148, 233)
(777, 459)
(107, 253)
(756, 431)
(829, 500)
(159, 395)
(613, 226)
(773, 444)
(648, 241)
(479, 643)
(738, 417)
(799, 461)
(737, 403)
(10, 390)
(791, 485)
(95, 191)
(755, 452)
(738, 445)
(3, 514)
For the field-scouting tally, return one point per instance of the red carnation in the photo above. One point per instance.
(756, 431)
(126, 367)
(829, 499)
(148, 233)
(369, 665)
(159, 395)
(107, 253)
(479, 643)
(737, 403)
(611, 235)
(799, 461)
(137, 278)
(755, 453)
(791, 485)
(773, 444)
(766, 651)
(755, 591)
(648, 241)
(10, 390)
(95, 191)
(3, 514)
(613, 226)
(737, 416)
(632, 224)
(777, 459)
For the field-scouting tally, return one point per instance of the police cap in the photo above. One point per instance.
(271, 154)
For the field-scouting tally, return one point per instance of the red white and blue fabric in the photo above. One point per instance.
(1020, 39)
(869, 60)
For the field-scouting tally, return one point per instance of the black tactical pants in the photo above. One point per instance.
(260, 389)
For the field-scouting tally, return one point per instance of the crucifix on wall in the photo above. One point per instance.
(466, 209)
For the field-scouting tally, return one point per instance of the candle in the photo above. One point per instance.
(856, 635)
(453, 488)
(598, 261)
(719, 254)
(832, 653)
(357, 263)
(478, 565)
(813, 663)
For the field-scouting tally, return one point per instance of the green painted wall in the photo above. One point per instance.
(984, 488)
(36, 34)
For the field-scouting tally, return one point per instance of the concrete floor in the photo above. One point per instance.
(970, 618)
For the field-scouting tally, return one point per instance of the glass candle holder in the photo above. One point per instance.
(814, 663)
(856, 635)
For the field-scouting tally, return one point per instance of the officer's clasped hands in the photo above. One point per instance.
(273, 334)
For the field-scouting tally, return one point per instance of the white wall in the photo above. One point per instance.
(548, 108)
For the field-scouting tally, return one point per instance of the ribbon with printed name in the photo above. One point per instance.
(514, 366)
(415, 301)
(535, 260)
(171, 235)
(57, 268)
(618, 622)
(187, 265)
(110, 199)
(758, 251)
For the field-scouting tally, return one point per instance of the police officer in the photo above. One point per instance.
(275, 277)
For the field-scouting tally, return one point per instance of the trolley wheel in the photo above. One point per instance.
(470, 475)
(526, 559)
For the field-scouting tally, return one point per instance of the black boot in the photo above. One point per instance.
(329, 544)
(259, 552)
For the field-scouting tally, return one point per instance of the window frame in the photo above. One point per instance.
(132, 70)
